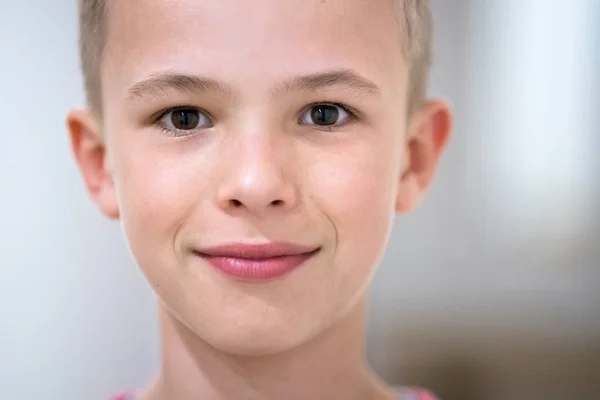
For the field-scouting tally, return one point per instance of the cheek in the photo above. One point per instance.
(358, 195)
(155, 197)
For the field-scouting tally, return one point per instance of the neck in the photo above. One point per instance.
(330, 366)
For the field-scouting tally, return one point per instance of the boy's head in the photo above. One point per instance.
(253, 122)
(415, 35)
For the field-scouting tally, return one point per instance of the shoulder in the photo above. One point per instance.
(414, 394)
(425, 395)
(403, 394)
(124, 396)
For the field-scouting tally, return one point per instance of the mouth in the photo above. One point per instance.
(257, 262)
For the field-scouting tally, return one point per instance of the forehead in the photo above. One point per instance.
(241, 41)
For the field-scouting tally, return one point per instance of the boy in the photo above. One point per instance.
(256, 153)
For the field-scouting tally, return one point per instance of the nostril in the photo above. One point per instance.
(236, 203)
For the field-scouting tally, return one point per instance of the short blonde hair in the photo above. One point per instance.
(415, 20)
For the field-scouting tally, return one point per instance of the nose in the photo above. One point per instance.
(259, 178)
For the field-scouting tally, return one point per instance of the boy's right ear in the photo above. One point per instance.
(89, 150)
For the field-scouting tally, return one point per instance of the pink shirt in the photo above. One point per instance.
(403, 394)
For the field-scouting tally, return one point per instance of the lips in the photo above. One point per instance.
(262, 262)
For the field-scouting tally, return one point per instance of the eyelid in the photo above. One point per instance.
(161, 114)
(174, 132)
(343, 106)
(352, 115)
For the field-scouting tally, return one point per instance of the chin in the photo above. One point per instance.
(248, 320)
(252, 347)
(256, 338)
(253, 334)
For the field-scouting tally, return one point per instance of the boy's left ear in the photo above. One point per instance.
(428, 135)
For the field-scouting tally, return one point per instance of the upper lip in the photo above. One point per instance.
(257, 251)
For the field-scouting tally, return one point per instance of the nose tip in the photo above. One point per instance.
(257, 193)
(262, 179)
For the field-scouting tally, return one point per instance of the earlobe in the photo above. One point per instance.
(408, 196)
(428, 135)
(90, 154)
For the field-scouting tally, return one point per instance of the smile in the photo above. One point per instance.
(261, 262)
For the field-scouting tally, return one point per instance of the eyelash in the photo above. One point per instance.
(352, 117)
(172, 132)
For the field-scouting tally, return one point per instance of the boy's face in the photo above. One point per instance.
(293, 130)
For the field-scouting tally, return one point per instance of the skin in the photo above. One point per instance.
(258, 169)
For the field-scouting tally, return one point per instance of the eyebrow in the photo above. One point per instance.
(343, 78)
(158, 84)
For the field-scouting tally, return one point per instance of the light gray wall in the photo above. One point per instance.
(76, 318)
(489, 291)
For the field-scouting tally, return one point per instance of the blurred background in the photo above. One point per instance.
(490, 291)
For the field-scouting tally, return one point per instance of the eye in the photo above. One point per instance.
(183, 120)
(326, 115)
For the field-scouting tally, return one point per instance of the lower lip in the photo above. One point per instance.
(258, 270)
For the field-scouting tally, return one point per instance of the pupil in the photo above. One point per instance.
(325, 115)
(185, 119)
